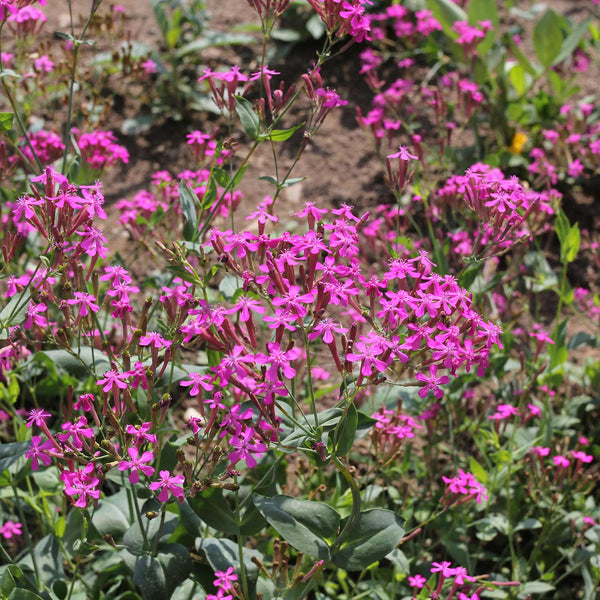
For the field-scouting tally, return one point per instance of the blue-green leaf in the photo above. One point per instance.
(10, 453)
(189, 207)
(301, 523)
(377, 533)
(343, 434)
(224, 553)
(249, 119)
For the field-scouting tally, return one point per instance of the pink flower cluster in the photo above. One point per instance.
(506, 212)
(463, 487)
(461, 583)
(341, 18)
(100, 149)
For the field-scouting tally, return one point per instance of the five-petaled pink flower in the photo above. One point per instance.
(169, 484)
(137, 463)
(10, 529)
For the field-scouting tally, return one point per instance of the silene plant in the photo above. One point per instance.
(259, 399)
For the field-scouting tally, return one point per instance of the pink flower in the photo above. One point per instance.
(38, 452)
(465, 483)
(278, 359)
(432, 382)
(85, 302)
(417, 581)
(43, 63)
(141, 434)
(37, 416)
(330, 98)
(136, 464)
(152, 338)
(582, 456)
(35, 317)
(149, 67)
(244, 449)
(113, 380)
(74, 431)
(562, 462)
(10, 529)
(168, 483)
(197, 381)
(225, 579)
(82, 484)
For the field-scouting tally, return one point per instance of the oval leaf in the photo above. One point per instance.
(343, 435)
(10, 453)
(224, 553)
(301, 523)
(548, 38)
(377, 533)
(249, 119)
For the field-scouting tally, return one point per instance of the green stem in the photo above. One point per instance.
(76, 44)
(240, 542)
(18, 117)
(561, 294)
(138, 514)
(356, 504)
(163, 514)
(27, 537)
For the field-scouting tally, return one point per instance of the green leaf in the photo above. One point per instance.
(518, 79)
(212, 507)
(572, 243)
(237, 178)
(287, 183)
(377, 533)
(112, 515)
(542, 276)
(10, 453)
(88, 362)
(224, 553)
(189, 519)
(9, 73)
(249, 119)
(213, 38)
(534, 587)
(210, 194)
(286, 35)
(484, 10)
(14, 313)
(280, 135)
(315, 27)
(49, 559)
(301, 523)
(548, 38)
(508, 41)
(569, 237)
(326, 421)
(6, 121)
(343, 434)
(22, 594)
(583, 338)
(133, 540)
(572, 40)
(447, 13)
(176, 562)
(477, 470)
(529, 523)
(229, 285)
(189, 207)
(221, 177)
(150, 577)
